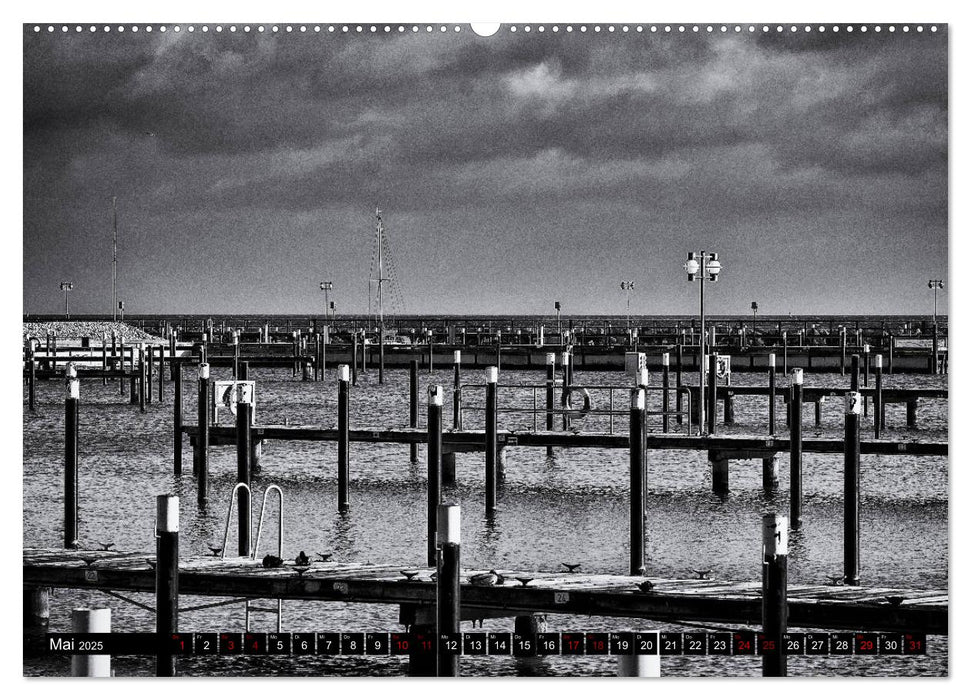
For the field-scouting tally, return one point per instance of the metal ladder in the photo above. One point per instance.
(254, 549)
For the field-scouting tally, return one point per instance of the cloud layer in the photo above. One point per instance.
(216, 144)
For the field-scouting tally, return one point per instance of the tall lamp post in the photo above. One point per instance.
(699, 266)
(628, 286)
(326, 288)
(935, 285)
(67, 287)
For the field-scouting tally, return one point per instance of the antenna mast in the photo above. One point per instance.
(114, 260)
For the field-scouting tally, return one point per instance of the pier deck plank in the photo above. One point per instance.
(702, 600)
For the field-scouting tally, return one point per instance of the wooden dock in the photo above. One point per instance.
(474, 440)
(857, 608)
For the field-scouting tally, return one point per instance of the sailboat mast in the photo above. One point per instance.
(380, 270)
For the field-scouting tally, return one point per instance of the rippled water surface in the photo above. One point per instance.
(572, 506)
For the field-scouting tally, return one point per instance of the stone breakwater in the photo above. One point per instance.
(87, 329)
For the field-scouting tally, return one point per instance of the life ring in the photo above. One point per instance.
(567, 402)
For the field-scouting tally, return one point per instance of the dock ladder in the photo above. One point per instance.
(254, 549)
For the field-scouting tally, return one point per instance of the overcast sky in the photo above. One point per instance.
(511, 170)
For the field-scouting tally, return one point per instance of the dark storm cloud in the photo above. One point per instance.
(676, 128)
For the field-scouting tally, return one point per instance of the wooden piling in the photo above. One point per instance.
(244, 447)
(177, 418)
(795, 449)
(912, 413)
(491, 439)
(71, 402)
(550, 393)
(818, 412)
(353, 359)
(842, 350)
(236, 355)
(243, 372)
(678, 406)
(785, 354)
(775, 550)
(851, 489)
(121, 357)
(148, 360)
(381, 355)
(201, 452)
(413, 405)
(891, 345)
(31, 378)
(638, 411)
(456, 393)
(855, 373)
(161, 373)
(712, 398)
(770, 474)
(104, 358)
(91, 621)
(166, 579)
(434, 456)
(771, 393)
(173, 365)
(343, 438)
(448, 584)
(565, 365)
(665, 383)
(296, 351)
(877, 396)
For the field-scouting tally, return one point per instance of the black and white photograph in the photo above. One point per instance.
(534, 349)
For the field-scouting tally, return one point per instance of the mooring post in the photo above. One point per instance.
(855, 373)
(133, 378)
(795, 449)
(236, 355)
(316, 337)
(364, 352)
(638, 411)
(166, 579)
(161, 373)
(201, 452)
(491, 438)
(343, 437)
(148, 360)
(665, 383)
(818, 412)
(413, 404)
(842, 350)
(775, 551)
(31, 377)
(177, 418)
(770, 474)
(771, 393)
(565, 364)
(550, 393)
(712, 400)
(677, 383)
(91, 621)
(172, 355)
(104, 359)
(434, 454)
(71, 403)
(851, 489)
(114, 350)
(877, 396)
(891, 344)
(37, 618)
(785, 352)
(353, 358)
(121, 357)
(51, 351)
(448, 584)
(296, 351)
(866, 374)
(457, 391)
(244, 446)
(243, 372)
(381, 355)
